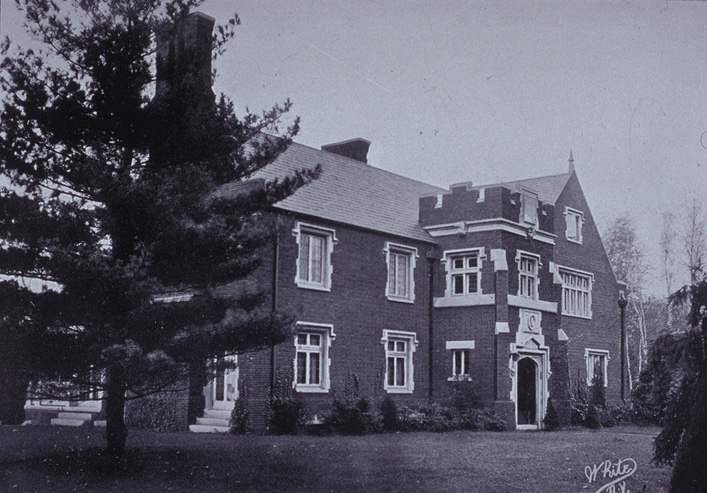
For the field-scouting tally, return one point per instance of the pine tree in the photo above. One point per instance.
(684, 434)
(117, 197)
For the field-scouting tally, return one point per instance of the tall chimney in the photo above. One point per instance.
(184, 101)
(353, 148)
(184, 55)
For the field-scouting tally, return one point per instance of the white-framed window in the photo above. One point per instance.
(461, 362)
(312, 361)
(574, 220)
(401, 261)
(528, 274)
(399, 366)
(315, 248)
(463, 272)
(529, 206)
(597, 364)
(576, 293)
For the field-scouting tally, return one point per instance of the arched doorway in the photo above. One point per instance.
(527, 392)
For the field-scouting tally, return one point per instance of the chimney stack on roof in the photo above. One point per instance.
(184, 54)
(353, 148)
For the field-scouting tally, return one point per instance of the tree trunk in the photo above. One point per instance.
(116, 431)
(628, 365)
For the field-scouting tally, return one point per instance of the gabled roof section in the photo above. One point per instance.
(351, 192)
(549, 187)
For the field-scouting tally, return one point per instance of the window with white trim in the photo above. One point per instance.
(574, 220)
(311, 360)
(464, 273)
(597, 365)
(401, 271)
(529, 206)
(314, 257)
(399, 348)
(528, 267)
(460, 363)
(576, 294)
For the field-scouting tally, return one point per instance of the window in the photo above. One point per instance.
(312, 358)
(401, 270)
(314, 260)
(399, 347)
(460, 363)
(597, 365)
(528, 275)
(575, 220)
(461, 352)
(576, 293)
(464, 273)
(529, 207)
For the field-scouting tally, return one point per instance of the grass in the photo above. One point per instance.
(61, 460)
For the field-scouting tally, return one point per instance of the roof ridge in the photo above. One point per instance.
(367, 165)
(523, 179)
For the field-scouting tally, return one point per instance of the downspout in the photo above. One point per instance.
(273, 307)
(430, 326)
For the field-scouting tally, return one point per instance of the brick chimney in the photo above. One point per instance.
(353, 148)
(184, 55)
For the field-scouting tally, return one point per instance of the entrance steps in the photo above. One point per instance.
(72, 419)
(214, 421)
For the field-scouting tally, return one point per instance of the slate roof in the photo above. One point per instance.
(352, 192)
(549, 187)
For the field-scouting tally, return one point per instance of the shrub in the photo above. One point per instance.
(239, 416)
(438, 418)
(593, 419)
(157, 412)
(286, 410)
(597, 392)
(482, 420)
(286, 415)
(464, 396)
(552, 420)
(389, 412)
(410, 419)
(579, 402)
(350, 418)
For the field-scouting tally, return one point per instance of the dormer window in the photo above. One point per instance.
(529, 207)
(575, 220)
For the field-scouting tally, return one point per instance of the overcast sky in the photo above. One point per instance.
(489, 91)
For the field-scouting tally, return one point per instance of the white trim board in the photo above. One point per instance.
(494, 224)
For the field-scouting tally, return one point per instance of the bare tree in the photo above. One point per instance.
(693, 237)
(668, 239)
(667, 249)
(627, 259)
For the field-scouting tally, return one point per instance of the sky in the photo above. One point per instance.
(452, 91)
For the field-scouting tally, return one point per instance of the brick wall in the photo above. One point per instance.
(603, 330)
(357, 308)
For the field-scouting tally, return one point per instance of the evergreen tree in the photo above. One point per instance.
(684, 434)
(118, 195)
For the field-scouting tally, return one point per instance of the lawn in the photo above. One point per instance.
(40, 458)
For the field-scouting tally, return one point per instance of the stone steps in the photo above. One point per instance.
(70, 415)
(208, 429)
(217, 414)
(68, 422)
(212, 421)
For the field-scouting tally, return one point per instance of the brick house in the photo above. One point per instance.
(405, 288)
